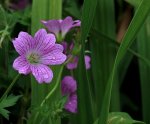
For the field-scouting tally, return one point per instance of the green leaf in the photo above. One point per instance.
(85, 111)
(8, 102)
(121, 118)
(4, 113)
(23, 16)
(3, 18)
(134, 3)
(143, 43)
(8, 20)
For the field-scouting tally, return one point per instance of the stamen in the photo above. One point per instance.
(33, 58)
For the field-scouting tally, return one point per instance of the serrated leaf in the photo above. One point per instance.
(23, 16)
(8, 102)
(8, 20)
(4, 113)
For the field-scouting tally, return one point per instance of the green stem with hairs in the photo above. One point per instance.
(50, 93)
(10, 87)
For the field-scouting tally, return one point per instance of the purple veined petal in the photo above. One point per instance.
(54, 57)
(66, 25)
(23, 43)
(57, 48)
(43, 41)
(53, 26)
(42, 73)
(71, 104)
(73, 64)
(20, 64)
(68, 85)
(87, 61)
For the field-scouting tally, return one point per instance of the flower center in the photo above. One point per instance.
(33, 58)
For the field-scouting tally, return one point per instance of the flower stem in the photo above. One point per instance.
(55, 87)
(9, 88)
(50, 93)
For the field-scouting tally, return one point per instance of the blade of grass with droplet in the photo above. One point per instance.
(136, 23)
(144, 50)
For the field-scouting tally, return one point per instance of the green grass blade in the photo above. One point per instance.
(129, 37)
(103, 55)
(85, 112)
(144, 50)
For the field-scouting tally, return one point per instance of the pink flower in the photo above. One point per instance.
(69, 87)
(74, 62)
(71, 104)
(61, 27)
(36, 53)
(74, 58)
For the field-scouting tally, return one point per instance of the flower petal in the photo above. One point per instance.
(53, 26)
(87, 61)
(68, 85)
(66, 25)
(54, 57)
(71, 104)
(20, 64)
(76, 23)
(23, 43)
(65, 46)
(73, 64)
(58, 48)
(43, 41)
(42, 73)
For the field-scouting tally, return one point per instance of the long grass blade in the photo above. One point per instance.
(143, 49)
(128, 39)
(85, 112)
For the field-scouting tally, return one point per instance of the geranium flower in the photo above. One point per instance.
(36, 53)
(61, 27)
(74, 62)
(71, 104)
(69, 87)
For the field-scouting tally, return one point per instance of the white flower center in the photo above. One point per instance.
(33, 58)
